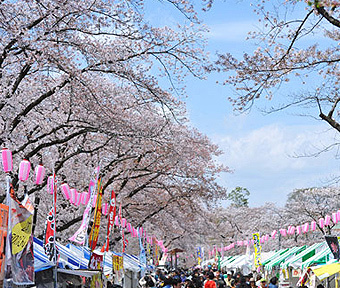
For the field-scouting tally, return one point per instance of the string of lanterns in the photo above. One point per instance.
(72, 195)
(284, 232)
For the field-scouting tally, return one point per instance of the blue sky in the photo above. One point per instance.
(260, 149)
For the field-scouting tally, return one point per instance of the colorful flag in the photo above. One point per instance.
(96, 261)
(257, 248)
(142, 256)
(50, 228)
(80, 235)
(111, 220)
(19, 249)
(3, 235)
(117, 263)
(49, 245)
(94, 234)
(333, 244)
(199, 255)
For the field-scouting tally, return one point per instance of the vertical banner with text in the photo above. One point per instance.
(94, 234)
(257, 248)
(19, 252)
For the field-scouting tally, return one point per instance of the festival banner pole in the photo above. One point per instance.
(55, 230)
(8, 203)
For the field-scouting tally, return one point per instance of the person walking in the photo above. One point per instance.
(210, 283)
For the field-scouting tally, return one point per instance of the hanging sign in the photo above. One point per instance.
(117, 263)
(257, 248)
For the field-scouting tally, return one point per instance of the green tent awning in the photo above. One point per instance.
(319, 258)
(277, 254)
(224, 263)
(297, 260)
(283, 257)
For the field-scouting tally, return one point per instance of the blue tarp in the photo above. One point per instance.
(74, 257)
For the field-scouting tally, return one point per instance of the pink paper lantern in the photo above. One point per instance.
(273, 234)
(74, 196)
(116, 221)
(104, 209)
(134, 234)
(141, 231)
(245, 243)
(298, 230)
(7, 160)
(24, 170)
(124, 222)
(283, 232)
(327, 220)
(313, 225)
(292, 230)
(305, 227)
(78, 202)
(84, 198)
(50, 184)
(128, 227)
(338, 215)
(321, 223)
(334, 218)
(65, 189)
(39, 174)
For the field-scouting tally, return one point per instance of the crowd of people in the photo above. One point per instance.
(204, 278)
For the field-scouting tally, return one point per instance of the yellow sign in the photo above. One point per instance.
(21, 233)
(117, 263)
(257, 248)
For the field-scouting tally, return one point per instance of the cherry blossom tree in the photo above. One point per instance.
(88, 83)
(290, 65)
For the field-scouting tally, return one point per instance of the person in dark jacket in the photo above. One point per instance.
(220, 283)
(242, 283)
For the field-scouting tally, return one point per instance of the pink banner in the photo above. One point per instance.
(80, 235)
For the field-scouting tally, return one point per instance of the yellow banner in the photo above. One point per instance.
(93, 238)
(21, 233)
(257, 248)
(117, 263)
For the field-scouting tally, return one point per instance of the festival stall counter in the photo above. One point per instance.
(292, 268)
(131, 265)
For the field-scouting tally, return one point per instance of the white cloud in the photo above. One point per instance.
(263, 160)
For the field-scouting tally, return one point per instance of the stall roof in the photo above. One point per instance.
(226, 262)
(284, 257)
(325, 271)
(237, 262)
(275, 255)
(321, 257)
(297, 260)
